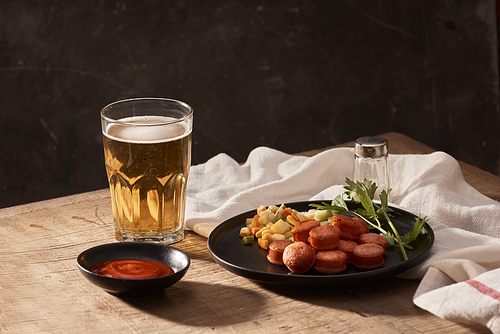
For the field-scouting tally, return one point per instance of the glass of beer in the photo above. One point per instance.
(147, 151)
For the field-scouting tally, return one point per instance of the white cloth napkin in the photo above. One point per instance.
(466, 223)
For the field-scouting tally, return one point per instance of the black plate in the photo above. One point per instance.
(250, 261)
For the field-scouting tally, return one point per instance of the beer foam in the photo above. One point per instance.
(149, 129)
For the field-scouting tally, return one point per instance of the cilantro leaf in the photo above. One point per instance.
(362, 192)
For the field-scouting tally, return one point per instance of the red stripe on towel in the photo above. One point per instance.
(485, 290)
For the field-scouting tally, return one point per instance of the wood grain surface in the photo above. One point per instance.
(42, 291)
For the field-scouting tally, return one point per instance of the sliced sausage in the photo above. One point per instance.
(301, 231)
(368, 256)
(324, 237)
(349, 229)
(299, 257)
(373, 238)
(364, 228)
(331, 262)
(276, 249)
(347, 246)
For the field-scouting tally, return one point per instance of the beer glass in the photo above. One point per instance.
(147, 151)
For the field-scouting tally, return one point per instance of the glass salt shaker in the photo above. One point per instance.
(370, 162)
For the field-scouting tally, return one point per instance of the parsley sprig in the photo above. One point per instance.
(372, 213)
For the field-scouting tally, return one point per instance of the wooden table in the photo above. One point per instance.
(42, 291)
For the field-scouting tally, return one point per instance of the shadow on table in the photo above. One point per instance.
(388, 296)
(201, 304)
(214, 305)
(381, 299)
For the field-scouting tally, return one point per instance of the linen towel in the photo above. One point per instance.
(465, 222)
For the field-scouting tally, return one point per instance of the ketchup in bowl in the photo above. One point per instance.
(131, 269)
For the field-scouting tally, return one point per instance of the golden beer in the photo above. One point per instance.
(147, 162)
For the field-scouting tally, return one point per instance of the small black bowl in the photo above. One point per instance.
(172, 257)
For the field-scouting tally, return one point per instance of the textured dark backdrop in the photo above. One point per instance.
(292, 75)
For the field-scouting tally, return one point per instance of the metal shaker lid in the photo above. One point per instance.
(371, 147)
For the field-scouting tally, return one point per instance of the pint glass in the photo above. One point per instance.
(147, 151)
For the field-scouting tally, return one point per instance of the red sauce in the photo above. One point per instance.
(132, 269)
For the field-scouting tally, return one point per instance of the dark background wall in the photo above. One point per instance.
(292, 75)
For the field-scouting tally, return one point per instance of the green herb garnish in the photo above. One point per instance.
(372, 213)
